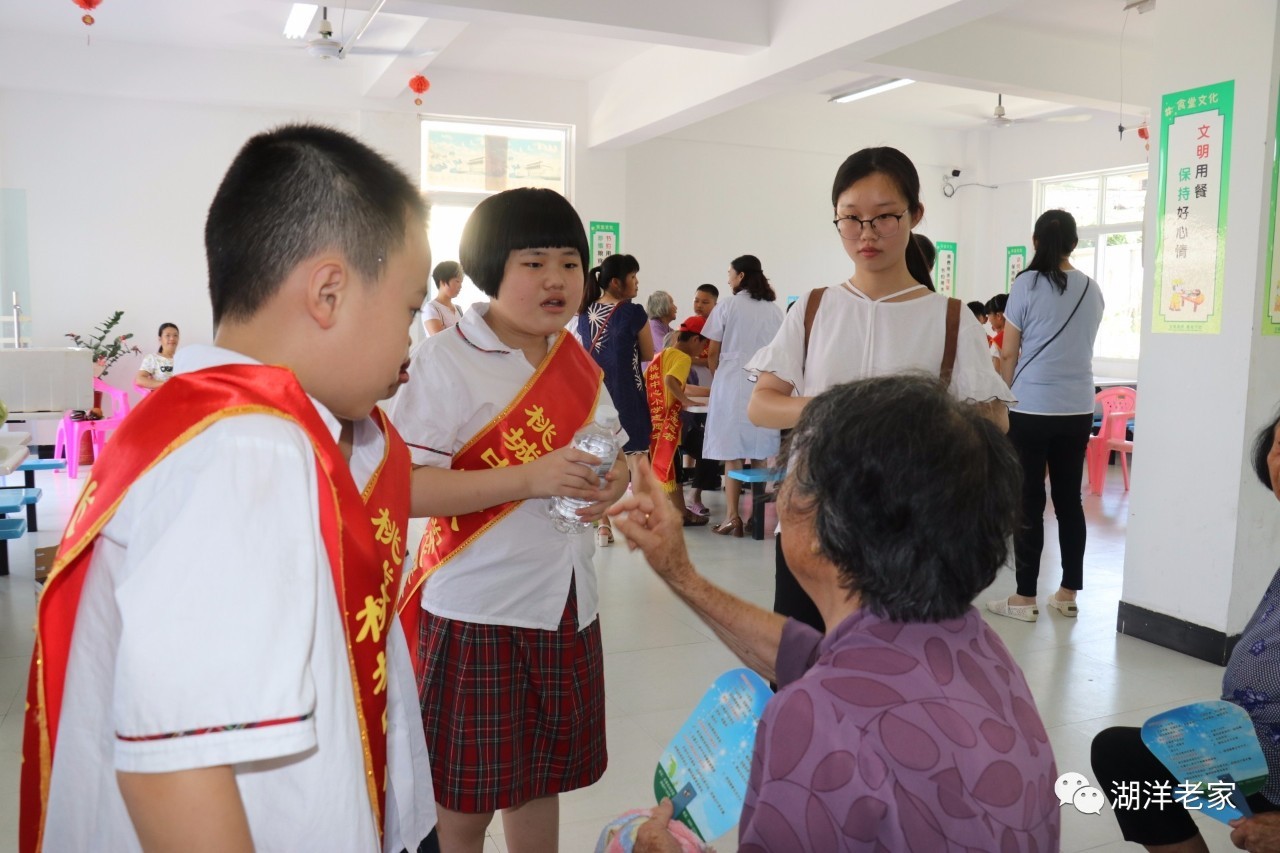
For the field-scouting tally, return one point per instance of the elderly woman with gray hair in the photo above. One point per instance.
(661, 309)
(908, 726)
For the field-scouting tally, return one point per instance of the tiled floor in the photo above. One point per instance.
(660, 658)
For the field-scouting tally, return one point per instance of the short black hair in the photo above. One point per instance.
(997, 303)
(683, 336)
(524, 218)
(291, 193)
(979, 309)
(915, 494)
(1262, 443)
(710, 288)
(446, 271)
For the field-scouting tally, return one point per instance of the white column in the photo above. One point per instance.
(1203, 535)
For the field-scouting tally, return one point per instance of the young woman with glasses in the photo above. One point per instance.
(884, 319)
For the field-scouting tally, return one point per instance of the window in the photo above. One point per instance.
(464, 161)
(1108, 207)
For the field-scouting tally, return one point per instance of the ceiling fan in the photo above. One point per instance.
(325, 46)
(1000, 118)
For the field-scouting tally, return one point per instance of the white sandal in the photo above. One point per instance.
(1022, 612)
(604, 536)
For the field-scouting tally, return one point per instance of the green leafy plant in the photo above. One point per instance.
(107, 350)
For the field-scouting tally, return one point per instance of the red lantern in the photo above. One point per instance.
(88, 6)
(418, 84)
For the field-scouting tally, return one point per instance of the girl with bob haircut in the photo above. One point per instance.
(1049, 325)
(509, 663)
(737, 328)
(614, 331)
(883, 320)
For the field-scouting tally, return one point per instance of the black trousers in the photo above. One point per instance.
(706, 472)
(789, 598)
(1059, 442)
(1120, 756)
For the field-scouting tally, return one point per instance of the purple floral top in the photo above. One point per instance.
(888, 736)
(1252, 680)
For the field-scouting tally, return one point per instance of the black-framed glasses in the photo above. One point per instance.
(884, 225)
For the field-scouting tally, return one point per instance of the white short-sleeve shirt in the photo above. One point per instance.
(209, 603)
(518, 572)
(856, 337)
(159, 367)
(434, 310)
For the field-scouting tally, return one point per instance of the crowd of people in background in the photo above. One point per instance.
(920, 434)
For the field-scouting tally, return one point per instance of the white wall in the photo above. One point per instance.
(1012, 158)
(117, 190)
(758, 181)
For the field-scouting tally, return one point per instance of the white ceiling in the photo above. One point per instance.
(616, 47)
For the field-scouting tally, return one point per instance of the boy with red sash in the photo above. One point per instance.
(668, 393)
(510, 667)
(215, 664)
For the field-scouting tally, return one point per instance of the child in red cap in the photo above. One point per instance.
(665, 385)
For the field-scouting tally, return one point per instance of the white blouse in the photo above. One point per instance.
(856, 337)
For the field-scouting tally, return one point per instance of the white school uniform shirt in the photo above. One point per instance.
(518, 572)
(209, 602)
(856, 337)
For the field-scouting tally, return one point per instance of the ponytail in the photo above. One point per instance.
(917, 265)
(1055, 238)
(591, 291)
(599, 278)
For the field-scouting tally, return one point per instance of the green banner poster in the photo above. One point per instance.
(1015, 261)
(1191, 223)
(944, 269)
(606, 240)
(1271, 292)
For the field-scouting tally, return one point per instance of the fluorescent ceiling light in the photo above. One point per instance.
(874, 86)
(299, 20)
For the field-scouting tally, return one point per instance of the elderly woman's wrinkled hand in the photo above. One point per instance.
(1257, 834)
(649, 522)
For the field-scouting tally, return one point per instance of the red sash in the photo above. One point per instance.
(664, 439)
(362, 535)
(556, 401)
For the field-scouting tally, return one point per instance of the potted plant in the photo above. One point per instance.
(106, 349)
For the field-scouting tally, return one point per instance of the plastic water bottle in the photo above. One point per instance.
(599, 438)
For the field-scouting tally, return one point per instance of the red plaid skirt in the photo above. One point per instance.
(511, 714)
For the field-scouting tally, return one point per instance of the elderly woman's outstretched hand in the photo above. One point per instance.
(649, 522)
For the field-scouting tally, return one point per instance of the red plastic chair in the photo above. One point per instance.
(1118, 406)
(70, 431)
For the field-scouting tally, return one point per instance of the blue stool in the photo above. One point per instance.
(10, 528)
(32, 494)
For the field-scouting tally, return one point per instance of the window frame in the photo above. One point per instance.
(1098, 233)
(473, 197)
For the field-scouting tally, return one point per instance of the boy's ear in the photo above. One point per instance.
(327, 280)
